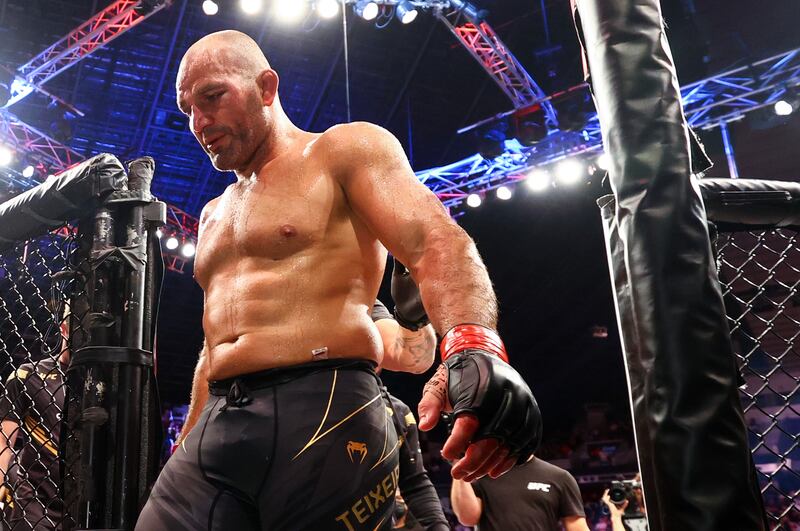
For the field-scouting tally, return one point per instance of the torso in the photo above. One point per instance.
(287, 269)
(533, 496)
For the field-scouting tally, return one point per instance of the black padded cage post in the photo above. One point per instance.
(697, 472)
(754, 228)
(106, 284)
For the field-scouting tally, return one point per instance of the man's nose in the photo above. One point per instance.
(199, 121)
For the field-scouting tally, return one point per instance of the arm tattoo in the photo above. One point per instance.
(415, 349)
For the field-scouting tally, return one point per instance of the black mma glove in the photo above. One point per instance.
(481, 382)
(408, 309)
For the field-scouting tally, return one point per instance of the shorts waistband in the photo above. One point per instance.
(281, 375)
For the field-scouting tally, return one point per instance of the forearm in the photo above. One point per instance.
(6, 453)
(422, 500)
(9, 429)
(453, 280)
(415, 351)
(199, 394)
(616, 523)
(415, 485)
(466, 504)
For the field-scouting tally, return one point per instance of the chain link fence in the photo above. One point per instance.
(35, 288)
(760, 275)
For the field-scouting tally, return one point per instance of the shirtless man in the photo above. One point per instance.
(290, 257)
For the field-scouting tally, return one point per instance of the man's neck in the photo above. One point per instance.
(279, 141)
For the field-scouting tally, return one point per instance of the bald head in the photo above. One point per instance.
(230, 94)
(230, 52)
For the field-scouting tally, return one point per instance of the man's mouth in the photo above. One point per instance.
(214, 143)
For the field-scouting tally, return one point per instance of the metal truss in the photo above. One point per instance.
(99, 30)
(25, 138)
(709, 103)
(492, 54)
(727, 97)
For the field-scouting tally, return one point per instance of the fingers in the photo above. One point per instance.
(478, 460)
(464, 429)
(434, 400)
(503, 467)
(475, 460)
(498, 459)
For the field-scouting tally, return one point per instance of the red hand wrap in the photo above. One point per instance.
(464, 336)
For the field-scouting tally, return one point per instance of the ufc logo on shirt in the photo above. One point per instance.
(543, 487)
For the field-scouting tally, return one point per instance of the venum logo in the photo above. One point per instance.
(543, 487)
(358, 448)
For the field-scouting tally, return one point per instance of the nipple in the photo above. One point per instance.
(287, 231)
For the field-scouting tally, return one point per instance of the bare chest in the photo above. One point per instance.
(266, 219)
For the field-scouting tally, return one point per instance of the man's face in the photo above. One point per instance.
(225, 111)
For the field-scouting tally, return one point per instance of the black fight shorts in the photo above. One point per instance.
(309, 447)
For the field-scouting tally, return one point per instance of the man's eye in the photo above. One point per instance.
(214, 96)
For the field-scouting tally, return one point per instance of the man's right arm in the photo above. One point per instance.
(615, 512)
(467, 506)
(9, 429)
(199, 394)
(410, 221)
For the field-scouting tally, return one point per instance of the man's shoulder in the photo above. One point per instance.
(22, 372)
(353, 131)
(552, 471)
(209, 207)
(356, 138)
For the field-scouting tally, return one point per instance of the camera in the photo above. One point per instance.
(625, 490)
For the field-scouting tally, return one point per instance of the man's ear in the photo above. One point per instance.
(268, 81)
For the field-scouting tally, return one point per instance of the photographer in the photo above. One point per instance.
(625, 506)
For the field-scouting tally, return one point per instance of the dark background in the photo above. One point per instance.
(545, 252)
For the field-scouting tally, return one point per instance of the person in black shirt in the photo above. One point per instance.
(32, 404)
(410, 341)
(533, 496)
(414, 484)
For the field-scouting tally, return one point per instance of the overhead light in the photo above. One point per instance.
(188, 249)
(474, 200)
(603, 161)
(6, 156)
(783, 108)
(172, 243)
(327, 8)
(569, 171)
(210, 7)
(406, 12)
(504, 193)
(251, 7)
(366, 9)
(289, 11)
(28, 171)
(538, 180)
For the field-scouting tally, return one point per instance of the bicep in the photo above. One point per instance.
(383, 191)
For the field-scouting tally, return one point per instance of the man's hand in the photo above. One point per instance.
(408, 309)
(616, 511)
(498, 423)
